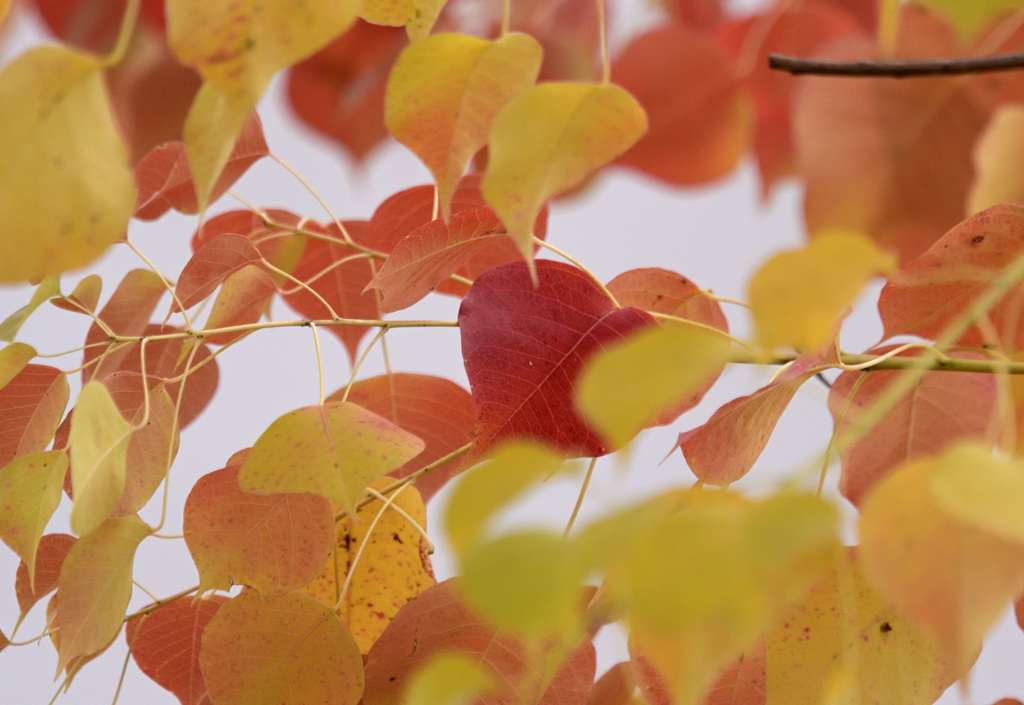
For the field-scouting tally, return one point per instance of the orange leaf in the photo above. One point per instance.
(29, 493)
(166, 643)
(53, 548)
(31, 406)
(266, 651)
(243, 299)
(615, 687)
(274, 543)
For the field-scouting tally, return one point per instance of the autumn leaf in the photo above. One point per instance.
(997, 149)
(31, 406)
(67, 194)
(243, 299)
(166, 642)
(743, 682)
(30, 490)
(549, 138)
(969, 18)
(95, 586)
(525, 347)
(444, 93)
(615, 687)
(9, 327)
(335, 450)
(268, 650)
(83, 298)
(447, 679)
(418, 16)
(434, 409)
(274, 543)
(50, 555)
(13, 359)
(392, 567)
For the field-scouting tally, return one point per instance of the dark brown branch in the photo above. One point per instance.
(896, 69)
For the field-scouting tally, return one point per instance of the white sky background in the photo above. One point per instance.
(717, 236)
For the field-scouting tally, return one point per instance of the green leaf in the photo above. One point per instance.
(447, 679)
(50, 286)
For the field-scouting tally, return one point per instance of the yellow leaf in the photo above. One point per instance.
(66, 192)
(13, 359)
(628, 386)
(981, 491)
(548, 139)
(99, 452)
(30, 490)
(444, 92)
(845, 644)
(486, 488)
(418, 16)
(211, 127)
(392, 568)
(335, 450)
(447, 679)
(797, 296)
(998, 154)
(49, 287)
(968, 17)
(951, 577)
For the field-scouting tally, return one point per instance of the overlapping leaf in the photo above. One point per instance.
(998, 148)
(165, 644)
(548, 139)
(524, 348)
(417, 16)
(216, 259)
(95, 586)
(50, 555)
(243, 299)
(65, 194)
(434, 409)
(937, 289)
(335, 450)
(31, 405)
(696, 135)
(438, 621)
(274, 543)
(30, 490)
(393, 566)
(444, 93)
(942, 408)
(969, 18)
(743, 682)
(83, 298)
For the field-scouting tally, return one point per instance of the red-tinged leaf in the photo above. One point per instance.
(725, 448)
(524, 348)
(243, 299)
(661, 291)
(274, 543)
(434, 409)
(801, 29)
(700, 14)
(339, 91)
(743, 682)
(568, 30)
(340, 285)
(53, 549)
(615, 687)
(903, 167)
(127, 313)
(84, 297)
(31, 406)
(438, 621)
(29, 493)
(696, 135)
(334, 450)
(215, 261)
(407, 211)
(166, 642)
(13, 359)
(95, 586)
(432, 253)
(164, 179)
(244, 222)
(90, 25)
(49, 557)
(937, 288)
(288, 649)
(939, 410)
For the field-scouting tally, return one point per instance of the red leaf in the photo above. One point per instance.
(339, 91)
(695, 135)
(438, 621)
(941, 409)
(92, 25)
(218, 258)
(31, 406)
(524, 347)
(242, 222)
(434, 409)
(743, 682)
(165, 645)
(53, 548)
(615, 687)
(164, 179)
(928, 293)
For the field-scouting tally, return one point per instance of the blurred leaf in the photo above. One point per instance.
(970, 17)
(997, 151)
(447, 679)
(49, 287)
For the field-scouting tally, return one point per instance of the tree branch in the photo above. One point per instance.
(896, 69)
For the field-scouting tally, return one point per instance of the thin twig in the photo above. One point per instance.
(896, 69)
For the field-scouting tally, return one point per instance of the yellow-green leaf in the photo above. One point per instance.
(970, 16)
(30, 490)
(13, 323)
(13, 359)
(335, 450)
(980, 490)
(798, 296)
(213, 123)
(443, 95)
(628, 386)
(447, 679)
(548, 139)
(66, 192)
(998, 154)
(418, 16)
(486, 488)
(99, 452)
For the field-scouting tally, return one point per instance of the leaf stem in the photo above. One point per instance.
(124, 34)
(160, 603)
(405, 515)
(166, 283)
(569, 258)
(579, 500)
(359, 554)
(319, 363)
(602, 29)
(314, 194)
